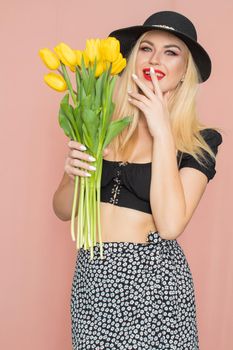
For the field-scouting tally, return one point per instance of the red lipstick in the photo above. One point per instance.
(159, 74)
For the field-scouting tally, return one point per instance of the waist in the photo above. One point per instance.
(153, 242)
(124, 224)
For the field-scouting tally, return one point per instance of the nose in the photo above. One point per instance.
(155, 58)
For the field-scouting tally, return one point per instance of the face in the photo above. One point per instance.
(167, 54)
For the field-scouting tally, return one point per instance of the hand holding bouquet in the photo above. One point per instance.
(88, 120)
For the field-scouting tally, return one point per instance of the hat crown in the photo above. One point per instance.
(172, 20)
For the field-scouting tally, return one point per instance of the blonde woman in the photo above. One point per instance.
(141, 296)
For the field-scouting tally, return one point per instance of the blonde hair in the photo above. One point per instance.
(184, 120)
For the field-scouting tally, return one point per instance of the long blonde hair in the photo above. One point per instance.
(184, 120)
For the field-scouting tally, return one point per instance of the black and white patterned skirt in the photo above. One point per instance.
(141, 296)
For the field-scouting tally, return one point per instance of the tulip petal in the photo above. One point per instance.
(49, 58)
(55, 81)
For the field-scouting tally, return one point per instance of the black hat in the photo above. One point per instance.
(172, 22)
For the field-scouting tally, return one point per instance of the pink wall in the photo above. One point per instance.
(38, 256)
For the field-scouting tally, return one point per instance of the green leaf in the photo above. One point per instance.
(91, 122)
(86, 102)
(98, 90)
(111, 109)
(76, 123)
(88, 141)
(92, 79)
(114, 128)
(66, 125)
(78, 83)
(65, 99)
(84, 75)
(111, 85)
(67, 109)
(78, 120)
(104, 86)
(82, 93)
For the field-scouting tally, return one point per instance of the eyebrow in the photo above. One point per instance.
(166, 46)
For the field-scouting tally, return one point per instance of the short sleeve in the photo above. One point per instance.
(213, 138)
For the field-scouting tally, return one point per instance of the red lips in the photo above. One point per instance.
(148, 77)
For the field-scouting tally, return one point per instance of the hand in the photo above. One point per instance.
(76, 160)
(153, 104)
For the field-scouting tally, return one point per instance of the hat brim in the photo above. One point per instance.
(129, 35)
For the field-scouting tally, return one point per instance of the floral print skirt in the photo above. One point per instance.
(141, 296)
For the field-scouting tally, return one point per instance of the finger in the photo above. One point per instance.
(76, 145)
(72, 171)
(138, 104)
(155, 83)
(147, 91)
(76, 171)
(77, 163)
(81, 155)
(139, 97)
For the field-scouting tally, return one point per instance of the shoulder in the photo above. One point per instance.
(212, 137)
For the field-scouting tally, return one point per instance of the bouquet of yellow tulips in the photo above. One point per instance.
(88, 120)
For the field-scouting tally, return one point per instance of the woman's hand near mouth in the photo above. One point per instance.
(154, 104)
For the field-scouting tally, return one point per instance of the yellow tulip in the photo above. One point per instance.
(118, 65)
(100, 68)
(65, 54)
(49, 58)
(79, 55)
(55, 81)
(92, 50)
(110, 49)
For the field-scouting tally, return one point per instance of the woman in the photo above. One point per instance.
(141, 296)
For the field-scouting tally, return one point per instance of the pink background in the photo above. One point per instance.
(38, 256)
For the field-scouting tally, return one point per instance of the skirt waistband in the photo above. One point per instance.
(153, 240)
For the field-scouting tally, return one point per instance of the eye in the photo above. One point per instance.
(147, 48)
(173, 53)
(143, 48)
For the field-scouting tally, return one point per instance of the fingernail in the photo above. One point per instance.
(92, 159)
(91, 167)
(83, 148)
(152, 70)
(134, 76)
(129, 91)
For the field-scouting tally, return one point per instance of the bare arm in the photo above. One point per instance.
(63, 198)
(174, 194)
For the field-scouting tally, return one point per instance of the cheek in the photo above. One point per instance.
(176, 70)
(177, 67)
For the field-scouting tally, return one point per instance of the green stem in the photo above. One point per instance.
(74, 207)
(67, 79)
(92, 216)
(80, 229)
(94, 213)
(88, 212)
(98, 207)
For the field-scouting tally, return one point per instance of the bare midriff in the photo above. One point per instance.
(121, 224)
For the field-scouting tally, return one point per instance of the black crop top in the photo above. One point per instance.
(128, 184)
